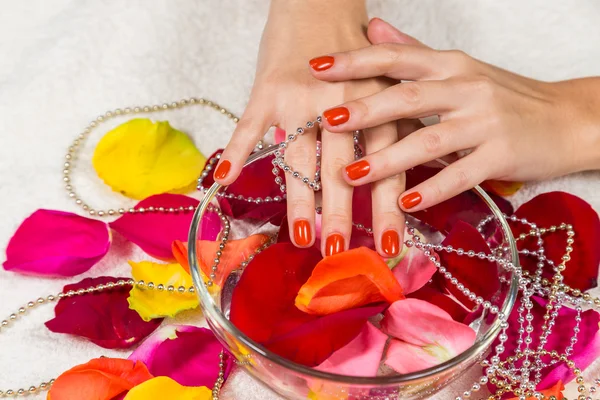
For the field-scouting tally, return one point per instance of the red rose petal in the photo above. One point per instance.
(553, 209)
(103, 318)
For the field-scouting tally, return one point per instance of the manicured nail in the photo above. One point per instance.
(321, 63)
(411, 200)
(358, 169)
(302, 232)
(390, 243)
(222, 169)
(334, 244)
(337, 116)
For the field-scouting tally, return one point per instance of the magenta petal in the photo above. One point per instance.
(360, 357)
(279, 135)
(155, 231)
(414, 270)
(103, 318)
(57, 243)
(187, 354)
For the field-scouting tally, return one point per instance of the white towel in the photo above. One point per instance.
(63, 62)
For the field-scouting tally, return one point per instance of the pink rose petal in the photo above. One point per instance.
(103, 318)
(186, 354)
(360, 357)
(57, 243)
(429, 334)
(155, 231)
(414, 270)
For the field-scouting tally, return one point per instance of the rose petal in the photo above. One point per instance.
(187, 354)
(104, 318)
(347, 280)
(446, 303)
(141, 158)
(502, 188)
(414, 269)
(553, 209)
(279, 135)
(99, 379)
(427, 335)
(56, 243)
(236, 252)
(262, 305)
(585, 351)
(360, 357)
(477, 275)
(151, 304)
(255, 181)
(161, 388)
(467, 206)
(141, 229)
(315, 341)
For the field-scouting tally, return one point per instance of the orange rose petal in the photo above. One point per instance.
(555, 391)
(502, 188)
(236, 252)
(347, 280)
(99, 379)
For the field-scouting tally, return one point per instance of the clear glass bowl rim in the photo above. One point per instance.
(212, 312)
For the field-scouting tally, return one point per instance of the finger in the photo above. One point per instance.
(388, 219)
(249, 130)
(404, 100)
(380, 31)
(301, 157)
(394, 60)
(337, 152)
(426, 144)
(456, 178)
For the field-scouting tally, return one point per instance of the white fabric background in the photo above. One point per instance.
(63, 62)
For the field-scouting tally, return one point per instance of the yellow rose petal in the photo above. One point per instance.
(162, 388)
(153, 303)
(141, 158)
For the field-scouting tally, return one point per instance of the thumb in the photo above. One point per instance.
(380, 31)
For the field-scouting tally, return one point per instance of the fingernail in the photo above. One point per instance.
(334, 244)
(222, 169)
(337, 116)
(321, 63)
(411, 200)
(390, 243)
(358, 169)
(302, 233)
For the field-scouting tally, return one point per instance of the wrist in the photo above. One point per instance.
(579, 101)
(328, 11)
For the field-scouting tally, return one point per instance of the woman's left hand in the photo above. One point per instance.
(510, 127)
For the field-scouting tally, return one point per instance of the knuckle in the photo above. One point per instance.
(462, 179)
(482, 85)
(301, 154)
(432, 141)
(391, 52)
(336, 217)
(333, 166)
(458, 60)
(410, 93)
(300, 206)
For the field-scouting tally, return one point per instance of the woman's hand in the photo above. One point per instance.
(285, 94)
(506, 126)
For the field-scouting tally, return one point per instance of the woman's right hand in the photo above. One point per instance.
(286, 95)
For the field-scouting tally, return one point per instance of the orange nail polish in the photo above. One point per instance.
(321, 63)
(358, 169)
(337, 116)
(222, 170)
(302, 232)
(334, 244)
(390, 243)
(411, 200)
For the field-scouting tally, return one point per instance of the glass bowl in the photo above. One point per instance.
(295, 381)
